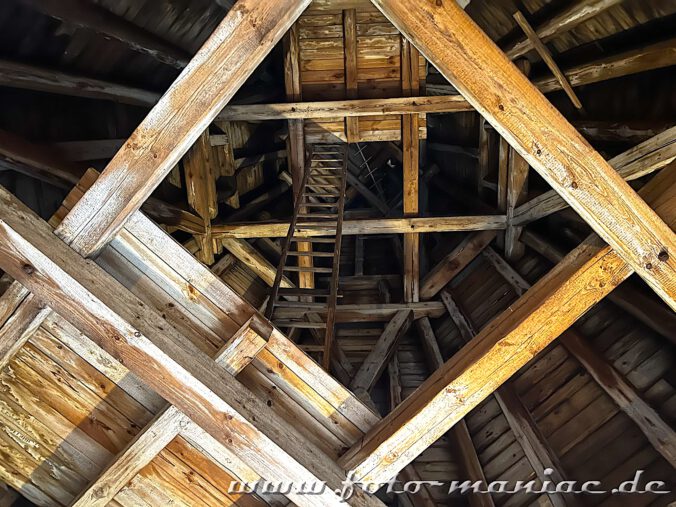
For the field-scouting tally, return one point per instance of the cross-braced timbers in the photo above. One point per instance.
(584, 277)
(458, 48)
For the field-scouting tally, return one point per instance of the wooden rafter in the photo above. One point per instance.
(364, 227)
(237, 46)
(131, 331)
(657, 431)
(101, 21)
(584, 277)
(449, 38)
(348, 108)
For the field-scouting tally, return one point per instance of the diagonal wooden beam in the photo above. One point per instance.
(649, 156)
(529, 436)
(658, 432)
(246, 35)
(551, 306)
(446, 269)
(235, 355)
(164, 359)
(572, 16)
(452, 42)
(93, 17)
(386, 345)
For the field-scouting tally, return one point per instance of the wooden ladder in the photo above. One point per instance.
(319, 205)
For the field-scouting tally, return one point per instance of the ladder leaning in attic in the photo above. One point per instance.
(319, 206)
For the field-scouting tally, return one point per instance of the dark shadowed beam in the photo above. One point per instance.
(93, 17)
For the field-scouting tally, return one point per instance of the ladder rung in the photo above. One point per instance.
(300, 304)
(319, 204)
(310, 254)
(308, 269)
(318, 215)
(313, 240)
(323, 194)
(299, 324)
(304, 292)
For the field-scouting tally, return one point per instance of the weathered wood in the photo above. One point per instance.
(246, 35)
(517, 190)
(547, 57)
(140, 451)
(381, 312)
(647, 310)
(376, 361)
(247, 254)
(20, 326)
(161, 357)
(458, 48)
(459, 433)
(572, 16)
(454, 263)
(658, 432)
(346, 108)
(526, 431)
(363, 227)
(655, 56)
(512, 339)
(31, 77)
(641, 160)
(101, 21)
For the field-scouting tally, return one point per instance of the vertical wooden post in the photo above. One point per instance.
(351, 83)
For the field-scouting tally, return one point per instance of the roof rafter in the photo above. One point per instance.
(449, 38)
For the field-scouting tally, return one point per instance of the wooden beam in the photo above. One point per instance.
(351, 71)
(143, 448)
(553, 304)
(547, 58)
(103, 22)
(454, 263)
(31, 77)
(517, 191)
(379, 357)
(641, 160)
(165, 360)
(346, 108)
(650, 311)
(246, 35)
(658, 432)
(458, 48)
(247, 254)
(459, 433)
(529, 436)
(655, 56)
(364, 227)
(380, 312)
(572, 16)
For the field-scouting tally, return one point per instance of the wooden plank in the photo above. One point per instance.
(98, 305)
(449, 267)
(658, 432)
(380, 312)
(512, 339)
(351, 72)
(247, 254)
(363, 227)
(106, 24)
(31, 77)
(140, 451)
(532, 441)
(569, 18)
(517, 191)
(641, 160)
(246, 35)
(547, 58)
(458, 434)
(386, 345)
(655, 56)
(452, 42)
(342, 108)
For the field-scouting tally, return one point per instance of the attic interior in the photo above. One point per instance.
(252, 245)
